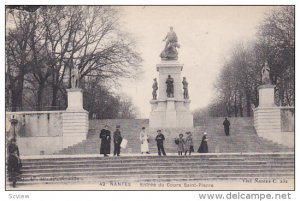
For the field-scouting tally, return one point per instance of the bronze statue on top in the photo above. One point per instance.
(170, 51)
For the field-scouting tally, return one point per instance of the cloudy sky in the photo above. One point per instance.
(206, 35)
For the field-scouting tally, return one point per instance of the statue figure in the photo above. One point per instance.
(170, 51)
(75, 76)
(265, 74)
(170, 87)
(154, 87)
(185, 88)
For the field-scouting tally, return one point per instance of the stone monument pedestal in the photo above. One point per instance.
(267, 120)
(266, 95)
(75, 119)
(170, 112)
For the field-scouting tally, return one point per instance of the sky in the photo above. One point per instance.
(206, 35)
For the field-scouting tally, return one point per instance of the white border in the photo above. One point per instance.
(124, 195)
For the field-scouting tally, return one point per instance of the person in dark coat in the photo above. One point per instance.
(105, 141)
(160, 143)
(203, 146)
(226, 125)
(117, 141)
(14, 162)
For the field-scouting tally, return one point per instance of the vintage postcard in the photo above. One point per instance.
(149, 97)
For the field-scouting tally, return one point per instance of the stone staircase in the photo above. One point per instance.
(152, 168)
(243, 137)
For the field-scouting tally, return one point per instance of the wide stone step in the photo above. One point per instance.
(146, 159)
(152, 167)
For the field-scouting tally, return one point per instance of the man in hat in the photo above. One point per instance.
(105, 141)
(226, 125)
(160, 143)
(117, 141)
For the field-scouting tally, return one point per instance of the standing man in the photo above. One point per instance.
(105, 141)
(160, 143)
(117, 141)
(226, 125)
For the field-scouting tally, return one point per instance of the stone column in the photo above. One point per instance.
(266, 95)
(174, 69)
(170, 112)
(267, 119)
(75, 119)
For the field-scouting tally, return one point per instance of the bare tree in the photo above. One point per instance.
(46, 44)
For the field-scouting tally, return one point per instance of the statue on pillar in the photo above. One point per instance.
(75, 76)
(170, 87)
(170, 51)
(154, 89)
(185, 88)
(265, 74)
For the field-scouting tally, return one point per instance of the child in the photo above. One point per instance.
(180, 143)
(189, 145)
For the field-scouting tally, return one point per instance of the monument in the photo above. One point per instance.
(171, 109)
(267, 119)
(75, 118)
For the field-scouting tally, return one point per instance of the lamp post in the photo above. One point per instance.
(14, 122)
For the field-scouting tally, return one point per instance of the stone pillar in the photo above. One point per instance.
(266, 95)
(170, 112)
(267, 119)
(75, 99)
(174, 69)
(75, 119)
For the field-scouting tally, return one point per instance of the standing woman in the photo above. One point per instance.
(203, 146)
(105, 141)
(144, 141)
(14, 162)
(189, 145)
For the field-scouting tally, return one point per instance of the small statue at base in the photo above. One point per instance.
(185, 88)
(265, 74)
(154, 89)
(75, 76)
(170, 87)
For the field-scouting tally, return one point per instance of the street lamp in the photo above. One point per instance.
(14, 122)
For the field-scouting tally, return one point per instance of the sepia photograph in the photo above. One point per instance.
(149, 98)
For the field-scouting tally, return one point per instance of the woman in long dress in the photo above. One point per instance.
(144, 141)
(14, 162)
(203, 146)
